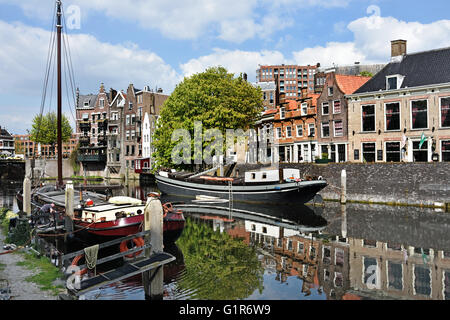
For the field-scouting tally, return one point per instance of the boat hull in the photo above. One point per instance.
(302, 191)
(172, 228)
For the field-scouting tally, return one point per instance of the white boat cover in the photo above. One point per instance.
(124, 200)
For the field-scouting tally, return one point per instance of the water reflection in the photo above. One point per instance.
(301, 252)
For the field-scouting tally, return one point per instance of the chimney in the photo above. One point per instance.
(398, 50)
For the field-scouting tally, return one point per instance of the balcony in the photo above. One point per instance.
(84, 141)
(85, 126)
(92, 157)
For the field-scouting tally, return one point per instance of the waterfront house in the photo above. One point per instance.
(116, 132)
(294, 126)
(6, 143)
(92, 126)
(332, 114)
(403, 112)
(149, 104)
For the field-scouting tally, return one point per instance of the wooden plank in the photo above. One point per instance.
(156, 260)
(107, 244)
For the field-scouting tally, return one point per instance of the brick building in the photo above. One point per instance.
(332, 115)
(403, 112)
(31, 149)
(290, 79)
(294, 129)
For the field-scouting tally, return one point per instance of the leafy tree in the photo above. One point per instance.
(366, 74)
(44, 129)
(216, 98)
(228, 268)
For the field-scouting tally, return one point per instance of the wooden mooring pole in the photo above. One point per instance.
(153, 279)
(68, 219)
(27, 196)
(343, 186)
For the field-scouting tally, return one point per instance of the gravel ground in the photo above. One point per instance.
(16, 276)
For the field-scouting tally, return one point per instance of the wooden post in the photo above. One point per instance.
(344, 221)
(68, 219)
(27, 196)
(343, 186)
(154, 218)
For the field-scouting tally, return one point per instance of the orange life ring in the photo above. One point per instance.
(75, 263)
(139, 242)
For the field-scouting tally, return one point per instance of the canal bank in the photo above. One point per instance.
(13, 268)
(401, 184)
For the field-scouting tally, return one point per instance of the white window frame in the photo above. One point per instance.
(400, 116)
(334, 128)
(410, 115)
(289, 133)
(440, 148)
(299, 126)
(334, 112)
(309, 128)
(387, 275)
(282, 112)
(414, 280)
(385, 149)
(328, 108)
(387, 82)
(440, 112)
(321, 129)
(374, 116)
(361, 155)
(330, 92)
(304, 105)
(279, 131)
(101, 103)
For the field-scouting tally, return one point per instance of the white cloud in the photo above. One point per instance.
(372, 35)
(229, 20)
(372, 40)
(235, 61)
(94, 61)
(23, 57)
(338, 53)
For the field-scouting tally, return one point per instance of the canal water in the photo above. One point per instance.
(296, 252)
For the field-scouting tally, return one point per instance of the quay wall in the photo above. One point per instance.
(395, 183)
(12, 170)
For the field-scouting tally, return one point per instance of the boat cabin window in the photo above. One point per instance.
(253, 176)
(264, 175)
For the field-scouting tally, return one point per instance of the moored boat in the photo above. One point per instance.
(113, 217)
(255, 186)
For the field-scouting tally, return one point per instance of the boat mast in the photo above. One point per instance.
(59, 99)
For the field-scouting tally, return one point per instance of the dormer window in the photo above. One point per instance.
(394, 82)
(86, 103)
(391, 83)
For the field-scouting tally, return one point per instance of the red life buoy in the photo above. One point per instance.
(139, 242)
(75, 263)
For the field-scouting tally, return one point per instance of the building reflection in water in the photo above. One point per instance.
(345, 267)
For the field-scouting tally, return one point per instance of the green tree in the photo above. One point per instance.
(216, 98)
(44, 129)
(228, 268)
(366, 74)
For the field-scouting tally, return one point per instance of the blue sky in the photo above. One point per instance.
(157, 42)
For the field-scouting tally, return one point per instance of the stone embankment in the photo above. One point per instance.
(415, 184)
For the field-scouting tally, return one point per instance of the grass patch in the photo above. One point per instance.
(47, 275)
